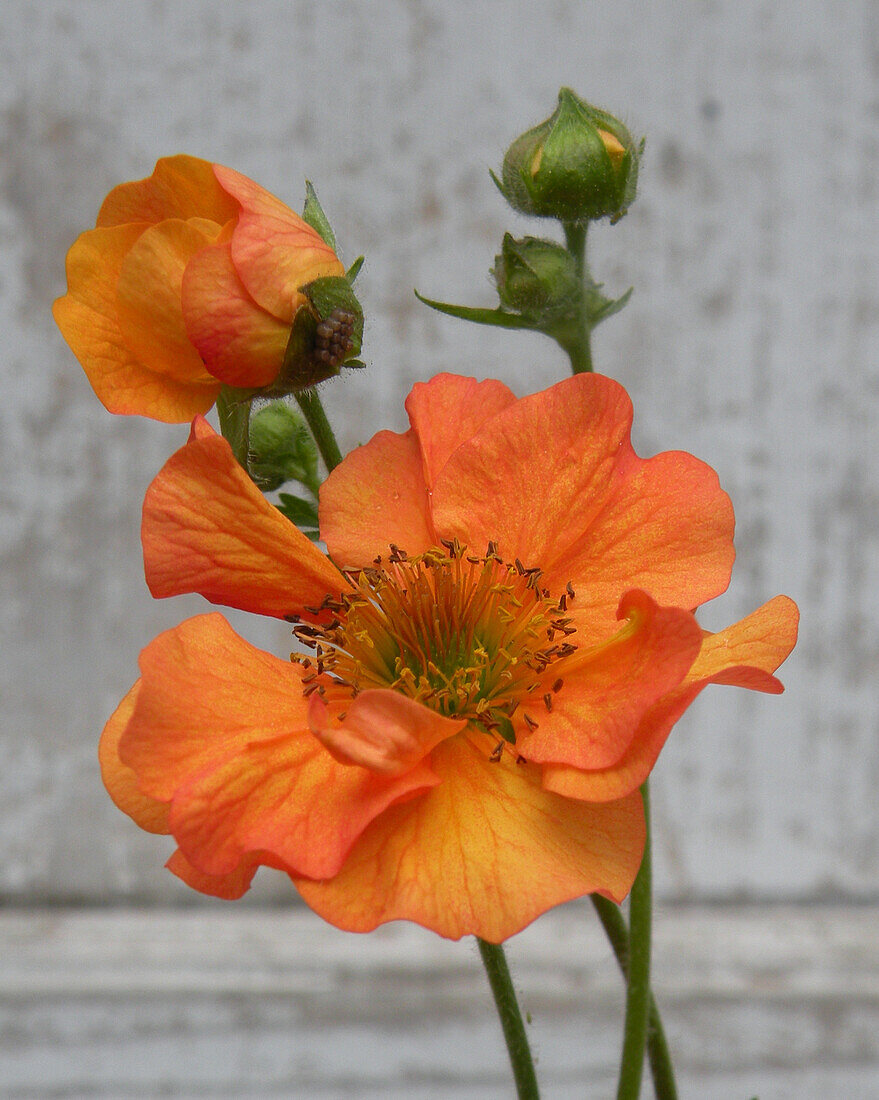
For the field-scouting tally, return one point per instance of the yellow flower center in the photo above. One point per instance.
(468, 636)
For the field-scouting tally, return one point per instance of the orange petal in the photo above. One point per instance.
(447, 411)
(376, 497)
(220, 729)
(148, 304)
(180, 187)
(241, 344)
(745, 654)
(482, 854)
(228, 887)
(554, 481)
(382, 731)
(88, 321)
(275, 252)
(120, 780)
(606, 691)
(208, 529)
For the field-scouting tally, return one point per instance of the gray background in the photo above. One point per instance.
(752, 340)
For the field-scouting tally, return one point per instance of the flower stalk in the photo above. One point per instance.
(316, 418)
(495, 963)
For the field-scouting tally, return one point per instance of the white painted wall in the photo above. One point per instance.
(752, 340)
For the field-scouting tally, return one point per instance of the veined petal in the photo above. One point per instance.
(240, 343)
(376, 497)
(447, 411)
(274, 251)
(180, 187)
(484, 853)
(228, 887)
(120, 780)
(382, 730)
(607, 690)
(148, 304)
(208, 529)
(220, 730)
(87, 318)
(744, 655)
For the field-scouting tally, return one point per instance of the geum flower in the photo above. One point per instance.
(191, 279)
(500, 641)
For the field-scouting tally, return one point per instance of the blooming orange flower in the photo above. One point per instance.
(190, 280)
(499, 643)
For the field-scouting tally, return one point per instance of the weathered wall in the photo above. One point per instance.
(751, 340)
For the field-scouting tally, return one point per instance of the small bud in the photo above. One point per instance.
(281, 448)
(536, 278)
(579, 165)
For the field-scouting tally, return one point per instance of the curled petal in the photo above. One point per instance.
(208, 529)
(607, 690)
(180, 187)
(382, 731)
(228, 887)
(484, 853)
(274, 251)
(745, 655)
(241, 344)
(120, 780)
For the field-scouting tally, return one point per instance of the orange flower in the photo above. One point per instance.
(190, 280)
(463, 746)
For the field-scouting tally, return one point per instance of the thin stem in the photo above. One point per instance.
(638, 988)
(316, 418)
(498, 972)
(661, 1069)
(233, 410)
(580, 348)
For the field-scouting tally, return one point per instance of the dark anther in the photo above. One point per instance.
(547, 701)
(570, 590)
(557, 686)
(530, 723)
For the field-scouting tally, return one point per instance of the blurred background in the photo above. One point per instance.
(752, 340)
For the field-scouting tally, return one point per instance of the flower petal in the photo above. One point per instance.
(120, 780)
(219, 728)
(382, 731)
(275, 252)
(87, 318)
(376, 497)
(148, 304)
(484, 853)
(228, 887)
(554, 481)
(447, 411)
(240, 343)
(208, 529)
(606, 691)
(180, 187)
(745, 655)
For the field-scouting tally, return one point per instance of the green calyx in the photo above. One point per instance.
(281, 449)
(537, 279)
(326, 335)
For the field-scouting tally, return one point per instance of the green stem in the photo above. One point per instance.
(233, 410)
(580, 348)
(661, 1069)
(638, 988)
(316, 418)
(498, 972)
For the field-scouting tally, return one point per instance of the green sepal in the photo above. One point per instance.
(301, 512)
(500, 318)
(301, 368)
(313, 214)
(354, 270)
(599, 308)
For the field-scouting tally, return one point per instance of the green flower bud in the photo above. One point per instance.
(326, 336)
(536, 278)
(281, 448)
(579, 165)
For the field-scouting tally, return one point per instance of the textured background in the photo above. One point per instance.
(751, 340)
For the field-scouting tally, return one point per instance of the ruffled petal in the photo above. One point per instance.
(554, 481)
(180, 187)
(228, 887)
(447, 411)
(606, 691)
(120, 780)
(484, 853)
(275, 252)
(376, 497)
(220, 730)
(240, 343)
(208, 529)
(148, 305)
(381, 730)
(87, 318)
(744, 655)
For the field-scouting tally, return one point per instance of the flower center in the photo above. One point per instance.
(468, 636)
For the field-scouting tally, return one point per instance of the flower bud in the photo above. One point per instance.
(536, 278)
(580, 164)
(281, 448)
